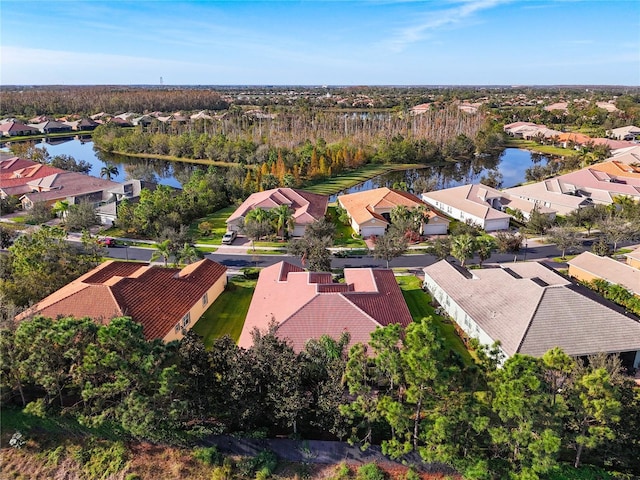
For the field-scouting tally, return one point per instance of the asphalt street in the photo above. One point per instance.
(237, 261)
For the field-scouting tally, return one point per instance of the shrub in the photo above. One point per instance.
(224, 471)
(343, 472)
(36, 408)
(370, 471)
(262, 465)
(412, 475)
(208, 455)
(250, 273)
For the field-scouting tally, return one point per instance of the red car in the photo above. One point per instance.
(107, 242)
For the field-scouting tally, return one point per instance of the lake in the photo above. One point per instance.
(511, 164)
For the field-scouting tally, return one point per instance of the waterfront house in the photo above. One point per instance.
(369, 211)
(306, 207)
(17, 129)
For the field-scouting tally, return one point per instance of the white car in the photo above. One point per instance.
(229, 237)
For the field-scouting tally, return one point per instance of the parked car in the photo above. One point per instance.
(107, 242)
(229, 237)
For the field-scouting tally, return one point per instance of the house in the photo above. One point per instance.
(481, 205)
(16, 173)
(625, 133)
(166, 301)
(143, 120)
(15, 129)
(587, 267)
(573, 140)
(107, 211)
(305, 305)
(633, 258)
(70, 186)
(369, 211)
(529, 309)
(84, 124)
(551, 193)
(307, 207)
(51, 126)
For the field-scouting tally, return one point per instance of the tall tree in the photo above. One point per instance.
(463, 247)
(565, 238)
(390, 245)
(162, 250)
(282, 219)
(109, 172)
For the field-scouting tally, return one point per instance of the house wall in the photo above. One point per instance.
(455, 213)
(582, 275)
(496, 224)
(435, 226)
(197, 310)
(464, 321)
(633, 262)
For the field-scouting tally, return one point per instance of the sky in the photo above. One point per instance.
(367, 42)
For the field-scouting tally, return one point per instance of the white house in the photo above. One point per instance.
(529, 309)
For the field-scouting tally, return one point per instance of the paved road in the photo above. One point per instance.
(237, 260)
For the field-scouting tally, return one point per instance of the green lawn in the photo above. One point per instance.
(341, 182)
(217, 219)
(226, 315)
(418, 302)
(536, 147)
(344, 233)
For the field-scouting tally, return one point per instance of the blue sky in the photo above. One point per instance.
(372, 42)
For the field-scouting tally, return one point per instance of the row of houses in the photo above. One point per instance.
(34, 182)
(622, 137)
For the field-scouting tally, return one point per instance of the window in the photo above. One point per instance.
(177, 327)
(205, 299)
(186, 319)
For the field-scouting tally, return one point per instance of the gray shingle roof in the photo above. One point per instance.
(538, 311)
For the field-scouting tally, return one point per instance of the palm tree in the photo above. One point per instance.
(60, 208)
(463, 247)
(258, 215)
(485, 246)
(163, 249)
(283, 219)
(109, 171)
(187, 254)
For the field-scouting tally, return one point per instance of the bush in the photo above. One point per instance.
(251, 273)
(224, 471)
(370, 471)
(208, 455)
(343, 472)
(262, 465)
(412, 475)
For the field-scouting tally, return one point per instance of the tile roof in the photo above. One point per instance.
(365, 206)
(537, 309)
(469, 199)
(608, 269)
(16, 127)
(153, 296)
(66, 184)
(617, 169)
(307, 207)
(307, 304)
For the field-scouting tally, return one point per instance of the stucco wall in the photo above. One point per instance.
(198, 309)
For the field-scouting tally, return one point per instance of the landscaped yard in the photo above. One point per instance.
(226, 315)
(344, 233)
(418, 302)
(217, 220)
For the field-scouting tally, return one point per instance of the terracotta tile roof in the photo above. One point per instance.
(530, 309)
(16, 172)
(155, 297)
(367, 205)
(307, 207)
(307, 304)
(617, 169)
(17, 127)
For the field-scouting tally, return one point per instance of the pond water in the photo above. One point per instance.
(511, 165)
(153, 170)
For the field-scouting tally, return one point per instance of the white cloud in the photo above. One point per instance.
(440, 19)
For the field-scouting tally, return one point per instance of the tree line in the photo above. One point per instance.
(405, 390)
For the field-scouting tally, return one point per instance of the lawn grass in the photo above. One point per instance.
(226, 315)
(536, 147)
(331, 186)
(344, 236)
(419, 305)
(218, 221)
